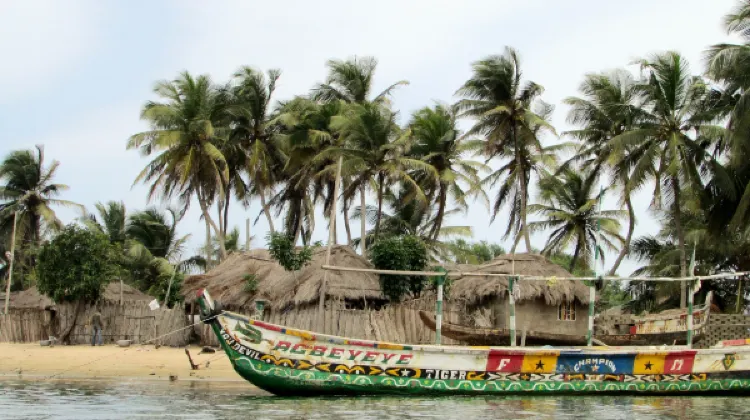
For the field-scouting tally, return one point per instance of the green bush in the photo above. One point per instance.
(281, 248)
(400, 253)
(251, 283)
(75, 265)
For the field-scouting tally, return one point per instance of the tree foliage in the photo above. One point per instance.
(406, 252)
(282, 249)
(76, 265)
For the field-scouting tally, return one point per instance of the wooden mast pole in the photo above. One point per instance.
(592, 286)
(440, 280)
(332, 221)
(512, 302)
(12, 258)
(691, 298)
(247, 234)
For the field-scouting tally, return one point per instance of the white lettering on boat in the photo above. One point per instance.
(337, 353)
(596, 363)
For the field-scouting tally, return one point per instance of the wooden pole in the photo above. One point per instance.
(592, 286)
(12, 258)
(512, 301)
(362, 214)
(439, 308)
(247, 234)
(332, 223)
(727, 276)
(592, 300)
(121, 287)
(691, 298)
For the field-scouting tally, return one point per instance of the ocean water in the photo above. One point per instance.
(24, 399)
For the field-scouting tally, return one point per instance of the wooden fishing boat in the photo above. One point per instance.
(287, 361)
(657, 329)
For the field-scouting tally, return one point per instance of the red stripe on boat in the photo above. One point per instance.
(268, 326)
(359, 343)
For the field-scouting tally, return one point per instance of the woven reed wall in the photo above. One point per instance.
(394, 323)
(133, 321)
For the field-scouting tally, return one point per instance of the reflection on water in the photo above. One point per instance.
(103, 400)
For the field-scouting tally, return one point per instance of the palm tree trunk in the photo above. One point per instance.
(222, 228)
(381, 182)
(442, 198)
(363, 220)
(631, 227)
(516, 241)
(573, 260)
(298, 225)
(226, 210)
(204, 209)
(266, 210)
(346, 224)
(680, 240)
(524, 190)
(208, 245)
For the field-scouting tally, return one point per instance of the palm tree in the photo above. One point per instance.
(307, 132)
(373, 147)
(715, 251)
(501, 106)
(462, 252)
(661, 147)
(231, 241)
(608, 108)
(436, 141)
(27, 189)
(251, 130)
(729, 65)
(156, 231)
(113, 216)
(187, 128)
(153, 250)
(350, 82)
(406, 216)
(570, 210)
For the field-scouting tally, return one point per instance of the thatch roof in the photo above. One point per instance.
(474, 289)
(227, 281)
(31, 298)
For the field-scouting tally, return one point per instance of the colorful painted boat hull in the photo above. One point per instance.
(286, 361)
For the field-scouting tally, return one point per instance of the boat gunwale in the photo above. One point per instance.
(310, 336)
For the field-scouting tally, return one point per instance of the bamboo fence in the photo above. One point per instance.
(399, 323)
(129, 321)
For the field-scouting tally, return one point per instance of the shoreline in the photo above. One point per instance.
(34, 363)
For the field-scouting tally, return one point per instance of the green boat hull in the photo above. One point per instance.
(281, 372)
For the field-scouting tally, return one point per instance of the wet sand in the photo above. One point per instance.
(32, 362)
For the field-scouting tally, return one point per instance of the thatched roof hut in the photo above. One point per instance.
(475, 289)
(32, 299)
(227, 281)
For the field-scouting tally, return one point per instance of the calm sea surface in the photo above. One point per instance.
(106, 400)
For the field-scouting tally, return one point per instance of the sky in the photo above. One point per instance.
(76, 73)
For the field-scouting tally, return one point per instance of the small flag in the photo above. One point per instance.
(154, 305)
(691, 270)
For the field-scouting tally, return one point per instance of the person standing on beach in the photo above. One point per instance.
(96, 327)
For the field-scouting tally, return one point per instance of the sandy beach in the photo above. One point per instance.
(34, 362)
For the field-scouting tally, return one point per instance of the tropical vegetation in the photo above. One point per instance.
(658, 125)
